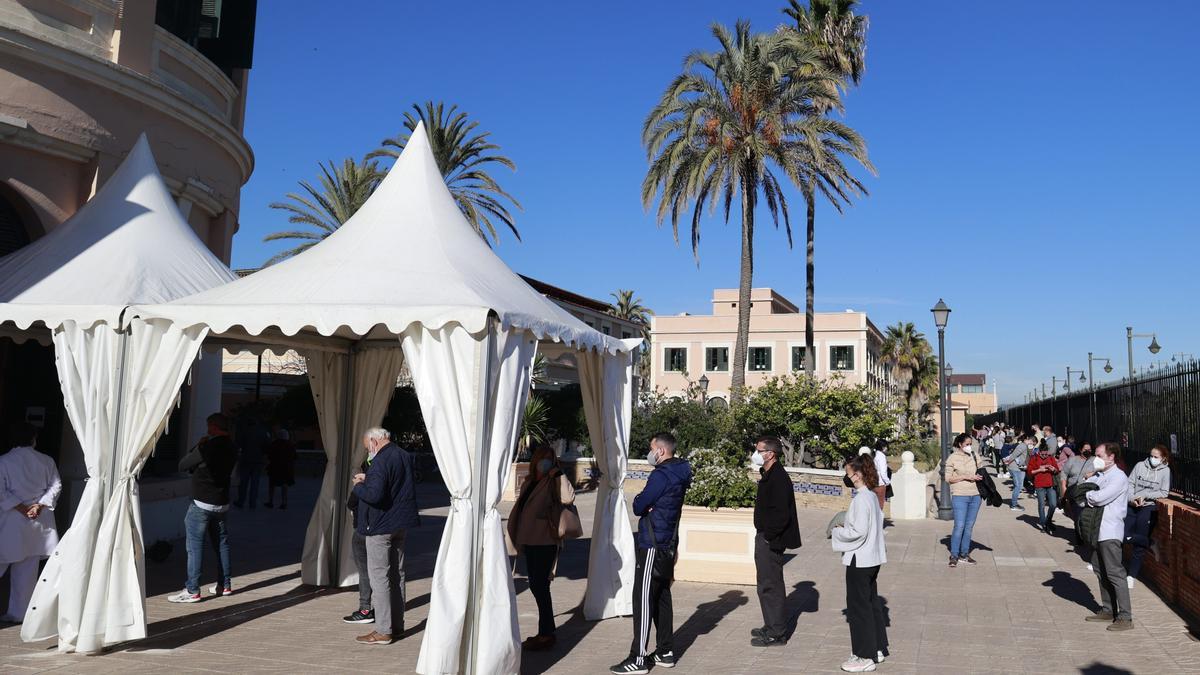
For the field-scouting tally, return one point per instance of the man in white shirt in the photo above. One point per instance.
(1106, 558)
(29, 489)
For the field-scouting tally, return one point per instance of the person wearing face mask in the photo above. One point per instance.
(1072, 473)
(776, 529)
(962, 473)
(1111, 493)
(1149, 482)
(860, 541)
(658, 508)
(387, 509)
(1016, 462)
(1044, 469)
(533, 530)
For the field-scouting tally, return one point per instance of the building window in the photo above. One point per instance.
(675, 359)
(841, 357)
(798, 358)
(972, 388)
(625, 335)
(760, 359)
(716, 359)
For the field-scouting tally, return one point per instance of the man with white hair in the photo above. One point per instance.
(387, 509)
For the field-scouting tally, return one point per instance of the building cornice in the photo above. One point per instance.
(16, 44)
(16, 131)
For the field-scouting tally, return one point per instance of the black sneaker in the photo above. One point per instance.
(664, 659)
(968, 560)
(630, 666)
(768, 641)
(361, 616)
(758, 632)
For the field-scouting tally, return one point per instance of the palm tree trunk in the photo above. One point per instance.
(745, 283)
(810, 356)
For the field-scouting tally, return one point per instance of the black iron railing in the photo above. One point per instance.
(1163, 407)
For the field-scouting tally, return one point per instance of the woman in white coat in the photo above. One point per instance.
(29, 488)
(860, 541)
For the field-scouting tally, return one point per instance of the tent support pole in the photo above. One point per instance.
(479, 492)
(112, 463)
(342, 467)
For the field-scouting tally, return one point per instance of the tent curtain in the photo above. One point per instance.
(118, 390)
(606, 382)
(369, 385)
(448, 367)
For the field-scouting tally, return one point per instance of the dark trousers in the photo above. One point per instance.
(358, 543)
(1114, 593)
(539, 564)
(1139, 523)
(250, 473)
(768, 564)
(864, 611)
(652, 601)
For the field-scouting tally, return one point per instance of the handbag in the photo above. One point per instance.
(566, 524)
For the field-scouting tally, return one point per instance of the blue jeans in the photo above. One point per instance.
(1018, 479)
(1047, 498)
(196, 524)
(1139, 521)
(965, 511)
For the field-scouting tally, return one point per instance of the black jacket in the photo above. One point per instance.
(1087, 523)
(387, 499)
(775, 509)
(352, 500)
(987, 489)
(211, 463)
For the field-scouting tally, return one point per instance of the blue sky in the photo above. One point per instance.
(1035, 158)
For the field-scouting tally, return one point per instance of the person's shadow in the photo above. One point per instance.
(706, 617)
(975, 546)
(1068, 587)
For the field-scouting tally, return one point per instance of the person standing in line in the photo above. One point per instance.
(29, 490)
(358, 544)
(962, 473)
(1149, 482)
(879, 457)
(776, 529)
(860, 541)
(1044, 469)
(281, 467)
(211, 464)
(1050, 439)
(1016, 461)
(1072, 473)
(252, 440)
(533, 530)
(1112, 494)
(658, 508)
(387, 503)
(997, 444)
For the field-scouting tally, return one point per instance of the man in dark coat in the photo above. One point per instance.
(777, 530)
(387, 509)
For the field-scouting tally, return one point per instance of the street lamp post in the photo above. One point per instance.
(941, 315)
(1092, 386)
(1129, 335)
(704, 390)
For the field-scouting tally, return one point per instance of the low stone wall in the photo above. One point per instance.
(1177, 575)
(814, 488)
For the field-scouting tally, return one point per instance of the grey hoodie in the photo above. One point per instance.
(1149, 482)
(1019, 456)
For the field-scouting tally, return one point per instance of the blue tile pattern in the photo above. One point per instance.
(819, 489)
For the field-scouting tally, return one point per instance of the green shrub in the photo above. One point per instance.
(719, 478)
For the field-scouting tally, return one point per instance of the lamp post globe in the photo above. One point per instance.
(704, 389)
(1154, 346)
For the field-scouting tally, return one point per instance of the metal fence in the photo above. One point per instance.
(1160, 408)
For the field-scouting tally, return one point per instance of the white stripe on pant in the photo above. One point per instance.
(647, 617)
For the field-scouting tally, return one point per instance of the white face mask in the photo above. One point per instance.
(1098, 464)
(1155, 461)
(652, 458)
(757, 459)
(968, 448)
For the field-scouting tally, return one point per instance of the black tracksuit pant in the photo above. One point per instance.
(652, 601)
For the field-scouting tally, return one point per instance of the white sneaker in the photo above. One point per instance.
(1129, 582)
(857, 665)
(1090, 568)
(879, 657)
(212, 590)
(184, 596)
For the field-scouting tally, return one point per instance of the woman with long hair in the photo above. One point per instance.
(962, 473)
(533, 530)
(860, 541)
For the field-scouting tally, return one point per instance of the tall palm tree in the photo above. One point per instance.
(631, 309)
(906, 351)
(464, 158)
(343, 190)
(732, 120)
(839, 37)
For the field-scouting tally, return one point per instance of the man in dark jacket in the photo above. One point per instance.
(387, 508)
(658, 507)
(211, 463)
(777, 529)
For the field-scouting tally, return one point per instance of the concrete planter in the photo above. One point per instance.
(716, 547)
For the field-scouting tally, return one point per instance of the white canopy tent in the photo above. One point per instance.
(128, 244)
(406, 279)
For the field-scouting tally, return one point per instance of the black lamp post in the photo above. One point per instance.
(941, 315)
(704, 390)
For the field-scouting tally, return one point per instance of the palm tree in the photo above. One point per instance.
(631, 309)
(904, 351)
(727, 124)
(343, 190)
(464, 158)
(839, 37)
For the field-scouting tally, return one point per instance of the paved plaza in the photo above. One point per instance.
(1020, 610)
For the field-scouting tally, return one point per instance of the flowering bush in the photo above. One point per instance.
(719, 478)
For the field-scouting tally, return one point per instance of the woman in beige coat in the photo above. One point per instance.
(533, 529)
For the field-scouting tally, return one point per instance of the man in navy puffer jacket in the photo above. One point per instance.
(658, 507)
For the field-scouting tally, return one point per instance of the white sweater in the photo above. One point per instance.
(861, 538)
